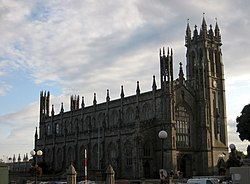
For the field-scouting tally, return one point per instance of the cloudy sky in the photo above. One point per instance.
(83, 47)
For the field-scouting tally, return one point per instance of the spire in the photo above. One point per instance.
(14, 158)
(62, 109)
(122, 92)
(26, 157)
(204, 24)
(94, 101)
(19, 158)
(195, 32)
(181, 74)
(52, 111)
(107, 98)
(138, 88)
(71, 102)
(211, 32)
(36, 135)
(42, 105)
(163, 50)
(47, 103)
(188, 33)
(217, 32)
(203, 30)
(77, 102)
(83, 104)
(154, 87)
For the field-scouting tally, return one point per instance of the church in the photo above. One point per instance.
(123, 132)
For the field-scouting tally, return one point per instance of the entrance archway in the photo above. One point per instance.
(185, 165)
(146, 168)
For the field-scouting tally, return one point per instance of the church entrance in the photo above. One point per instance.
(146, 168)
(185, 165)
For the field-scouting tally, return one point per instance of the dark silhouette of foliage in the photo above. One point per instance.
(243, 126)
(36, 171)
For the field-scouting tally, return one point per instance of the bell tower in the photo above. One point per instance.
(205, 74)
(44, 104)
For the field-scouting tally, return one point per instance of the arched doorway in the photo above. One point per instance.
(185, 165)
(146, 168)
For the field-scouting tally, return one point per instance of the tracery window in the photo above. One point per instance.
(129, 115)
(182, 127)
(95, 157)
(59, 159)
(69, 127)
(57, 128)
(87, 123)
(113, 118)
(128, 154)
(49, 131)
(147, 150)
(146, 111)
(101, 120)
(112, 155)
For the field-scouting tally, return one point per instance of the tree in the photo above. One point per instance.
(243, 126)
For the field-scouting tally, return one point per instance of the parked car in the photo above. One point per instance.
(88, 182)
(203, 181)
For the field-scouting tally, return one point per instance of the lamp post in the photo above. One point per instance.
(232, 147)
(162, 135)
(35, 154)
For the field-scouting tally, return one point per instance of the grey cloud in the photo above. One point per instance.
(89, 46)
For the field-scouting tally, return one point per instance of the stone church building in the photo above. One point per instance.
(124, 132)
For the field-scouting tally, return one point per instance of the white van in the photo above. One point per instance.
(203, 181)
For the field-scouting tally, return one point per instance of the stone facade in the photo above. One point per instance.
(124, 132)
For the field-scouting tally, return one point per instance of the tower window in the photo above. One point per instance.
(57, 129)
(49, 132)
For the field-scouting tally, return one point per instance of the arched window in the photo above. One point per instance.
(112, 155)
(113, 118)
(75, 125)
(200, 55)
(192, 64)
(95, 157)
(146, 111)
(87, 123)
(70, 156)
(101, 120)
(57, 128)
(129, 115)
(49, 156)
(182, 127)
(128, 154)
(147, 149)
(59, 159)
(211, 57)
(70, 127)
(49, 131)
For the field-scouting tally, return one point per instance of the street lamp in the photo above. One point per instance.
(232, 146)
(233, 150)
(35, 154)
(162, 135)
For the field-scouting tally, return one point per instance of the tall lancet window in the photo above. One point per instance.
(182, 127)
